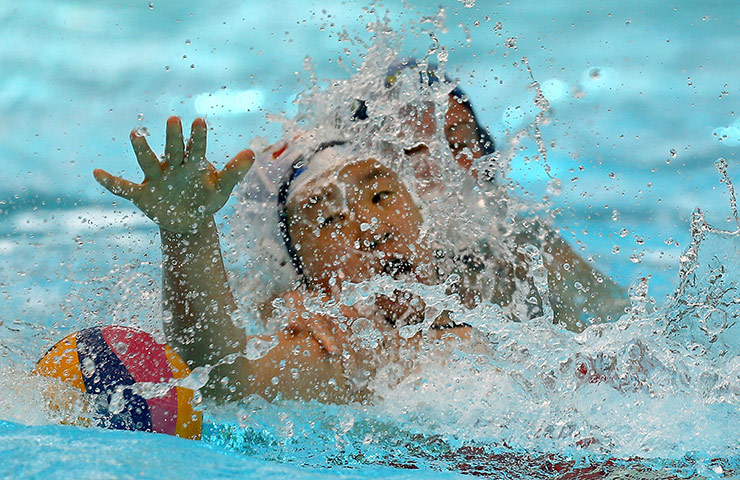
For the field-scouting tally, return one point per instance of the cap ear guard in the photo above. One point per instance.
(359, 110)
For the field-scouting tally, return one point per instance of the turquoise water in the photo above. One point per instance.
(643, 100)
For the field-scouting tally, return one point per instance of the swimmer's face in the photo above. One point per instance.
(461, 132)
(360, 223)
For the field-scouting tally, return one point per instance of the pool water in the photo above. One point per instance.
(642, 105)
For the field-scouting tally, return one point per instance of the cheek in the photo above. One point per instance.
(409, 215)
(327, 250)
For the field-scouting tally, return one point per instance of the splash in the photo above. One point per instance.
(651, 382)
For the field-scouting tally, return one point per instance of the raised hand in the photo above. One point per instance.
(184, 190)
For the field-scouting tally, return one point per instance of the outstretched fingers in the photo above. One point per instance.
(117, 185)
(196, 150)
(174, 150)
(235, 170)
(146, 157)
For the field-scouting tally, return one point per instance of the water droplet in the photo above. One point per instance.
(673, 152)
(634, 352)
(408, 331)
(615, 249)
(364, 329)
(258, 348)
(151, 5)
(120, 348)
(623, 232)
(555, 187)
(197, 378)
(88, 367)
(117, 401)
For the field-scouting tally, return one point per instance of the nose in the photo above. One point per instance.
(373, 234)
(372, 242)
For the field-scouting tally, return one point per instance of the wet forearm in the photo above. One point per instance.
(197, 301)
(296, 367)
(583, 295)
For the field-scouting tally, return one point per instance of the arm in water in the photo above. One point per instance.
(579, 294)
(181, 194)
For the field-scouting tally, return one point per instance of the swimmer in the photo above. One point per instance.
(327, 209)
(579, 294)
(181, 194)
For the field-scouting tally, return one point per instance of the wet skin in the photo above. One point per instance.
(361, 224)
(378, 231)
(460, 129)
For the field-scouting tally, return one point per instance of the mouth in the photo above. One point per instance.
(396, 267)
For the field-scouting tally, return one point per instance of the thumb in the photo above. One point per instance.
(235, 170)
(115, 185)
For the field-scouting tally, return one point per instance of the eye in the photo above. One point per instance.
(420, 148)
(326, 221)
(334, 219)
(380, 196)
